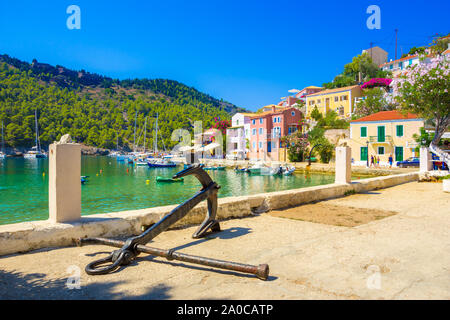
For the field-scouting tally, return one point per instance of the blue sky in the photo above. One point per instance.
(247, 52)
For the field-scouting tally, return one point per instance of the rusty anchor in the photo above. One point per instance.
(133, 246)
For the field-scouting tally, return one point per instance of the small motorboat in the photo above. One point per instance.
(165, 179)
(287, 171)
(84, 179)
(161, 163)
(239, 170)
(214, 168)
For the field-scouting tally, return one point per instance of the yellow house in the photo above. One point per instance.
(341, 100)
(383, 134)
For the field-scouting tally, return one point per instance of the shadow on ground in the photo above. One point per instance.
(35, 286)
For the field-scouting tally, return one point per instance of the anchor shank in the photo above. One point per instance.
(175, 215)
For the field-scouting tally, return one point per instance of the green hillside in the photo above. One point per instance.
(96, 110)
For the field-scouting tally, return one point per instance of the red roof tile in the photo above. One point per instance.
(386, 115)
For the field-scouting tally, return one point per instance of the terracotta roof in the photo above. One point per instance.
(386, 115)
(277, 111)
(332, 91)
(399, 60)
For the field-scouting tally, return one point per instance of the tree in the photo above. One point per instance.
(375, 101)
(362, 68)
(297, 146)
(424, 91)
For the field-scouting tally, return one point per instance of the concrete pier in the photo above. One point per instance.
(64, 188)
(425, 160)
(343, 172)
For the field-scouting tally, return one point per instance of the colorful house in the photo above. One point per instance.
(383, 134)
(238, 135)
(341, 100)
(266, 130)
(399, 65)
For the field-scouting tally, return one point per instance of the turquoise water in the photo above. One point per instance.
(24, 187)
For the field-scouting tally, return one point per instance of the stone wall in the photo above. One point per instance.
(26, 236)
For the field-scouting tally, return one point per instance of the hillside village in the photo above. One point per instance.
(364, 116)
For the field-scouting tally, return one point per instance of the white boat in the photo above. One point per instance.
(35, 152)
(2, 154)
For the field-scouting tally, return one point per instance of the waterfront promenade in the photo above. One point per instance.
(405, 255)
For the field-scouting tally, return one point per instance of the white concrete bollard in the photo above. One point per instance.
(425, 160)
(64, 189)
(343, 170)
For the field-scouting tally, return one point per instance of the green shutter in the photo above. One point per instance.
(381, 134)
(363, 132)
(400, 131)
(363, 153)
(398, 153)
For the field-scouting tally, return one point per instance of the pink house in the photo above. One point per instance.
(266, 130)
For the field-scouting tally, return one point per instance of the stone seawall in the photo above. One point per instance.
(26, 236)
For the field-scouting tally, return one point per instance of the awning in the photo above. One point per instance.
(209, 146)
(186, 148)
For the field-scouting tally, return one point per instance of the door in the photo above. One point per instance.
(381, 134)
(364, 153)
(398, 153)
(269, 146)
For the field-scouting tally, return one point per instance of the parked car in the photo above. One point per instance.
(410, 162)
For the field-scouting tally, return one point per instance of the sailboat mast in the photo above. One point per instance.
(156, 140)
(3, 140)
(145, 132)
(134, 141)
(35, 119)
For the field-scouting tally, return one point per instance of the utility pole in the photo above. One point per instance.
(396, 31)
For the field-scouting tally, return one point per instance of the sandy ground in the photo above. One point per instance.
(402, 256)
(336, 215)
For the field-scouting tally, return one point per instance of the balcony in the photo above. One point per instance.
(375, 140)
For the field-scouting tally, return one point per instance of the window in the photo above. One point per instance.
(399, 130)
(260, 130)
(363, 154)
(312, 102)
(260, 120)
(327, 100)
(363, 132)
(237, 122)
(279, 119)
(391, 66)
(253, 121)
(254, 146)
(260, 145)
(289, 130)
(254, 132)
(345, 98)
(381, 150)
(400, 65)
(318, 100)
(293, 113)
(381, 134)
(336, 99)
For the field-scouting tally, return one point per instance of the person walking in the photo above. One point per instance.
(390, 161)
(378, 161)
(372, 163)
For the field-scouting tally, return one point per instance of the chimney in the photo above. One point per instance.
(273, 108)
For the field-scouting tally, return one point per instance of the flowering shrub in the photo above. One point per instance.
(423, 90)
(376, 82)
(297, 145)
(221, 125)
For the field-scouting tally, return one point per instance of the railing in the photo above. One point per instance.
(374, 139)
(441, 153)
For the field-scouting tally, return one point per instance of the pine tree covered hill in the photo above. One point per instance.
(97, 110)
